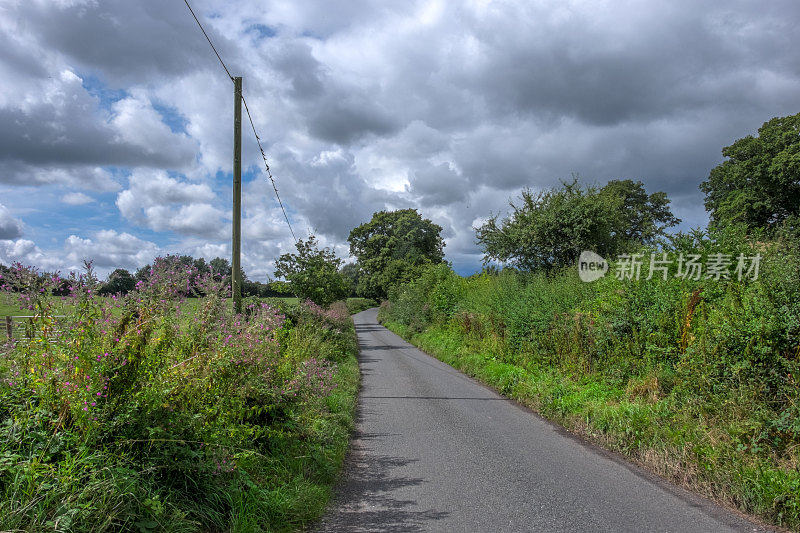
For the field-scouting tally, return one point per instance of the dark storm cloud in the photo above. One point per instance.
(123, 40)
(18, 58)
(58, 129)
(439, 185)
(628, 63)
(334, 112)
(10, 227)
(295, 61)
(70, 136)
(449, 107)
(345, 118)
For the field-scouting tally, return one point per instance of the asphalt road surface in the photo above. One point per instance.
(436, 451)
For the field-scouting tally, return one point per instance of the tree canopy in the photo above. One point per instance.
(759, 183)
(220, 267)
(351, 274)
(313, 273)
(392, 247)
(550, 228)
(119, 281)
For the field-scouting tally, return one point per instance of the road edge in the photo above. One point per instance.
(719, 509)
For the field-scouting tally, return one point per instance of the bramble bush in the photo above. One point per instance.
(702, 374)
(151, 412)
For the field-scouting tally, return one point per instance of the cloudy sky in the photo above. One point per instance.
(116, 119)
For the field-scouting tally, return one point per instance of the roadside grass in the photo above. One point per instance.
(697, 382)
(696, 446)
(148, 414)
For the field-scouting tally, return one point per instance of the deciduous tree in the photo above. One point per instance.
(758, 185)
(313, 273)
(550, 228)
(119, 281)
(392, 247)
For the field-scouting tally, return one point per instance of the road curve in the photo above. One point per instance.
(434, 450)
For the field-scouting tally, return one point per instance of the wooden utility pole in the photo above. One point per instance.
(236, 266)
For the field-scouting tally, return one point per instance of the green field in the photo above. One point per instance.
(8, 308)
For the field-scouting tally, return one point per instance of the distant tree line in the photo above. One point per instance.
(122, 281)
(756, 189)
(219, 267)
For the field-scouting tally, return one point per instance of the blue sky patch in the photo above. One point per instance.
(261, 31)
(171, 117)
(100, 90)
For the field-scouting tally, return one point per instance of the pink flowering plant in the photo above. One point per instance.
(161, 395)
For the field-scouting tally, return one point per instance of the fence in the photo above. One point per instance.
(22, 327)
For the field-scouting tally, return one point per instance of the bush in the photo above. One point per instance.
(150, 412)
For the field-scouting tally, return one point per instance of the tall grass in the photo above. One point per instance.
(144, 413)
(698, 380)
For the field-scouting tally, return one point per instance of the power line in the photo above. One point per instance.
(221, 62)
(266, 167)
(252, 124)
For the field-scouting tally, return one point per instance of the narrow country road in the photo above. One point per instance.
(436, 451)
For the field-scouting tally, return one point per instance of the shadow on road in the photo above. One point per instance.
(364, 500)
(385, 347)
(360, 328)
(435, 398)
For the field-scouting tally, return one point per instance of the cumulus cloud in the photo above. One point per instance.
(449, 107)
(157, 201)
(26, 252)
(20, 174)
(137, 123)
(108, 249)
(10, 227)
(62, 135)
(328, 191)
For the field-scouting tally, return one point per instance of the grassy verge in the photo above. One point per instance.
(146, 413)
(697, 380)
(664, 436)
